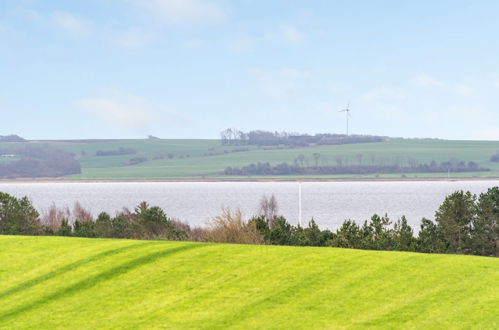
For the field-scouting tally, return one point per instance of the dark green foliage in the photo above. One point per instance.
(262, 226)
(282, 233)
(403, 236)
(154, 223)
(104, 225)
(84, 229)
(312, 235)
(464, 224)
(347, 236)
(18, 216)
(430, 238)
(65, 229)
(121, 226)
(485, 226)
(378, 234)
(455, 216)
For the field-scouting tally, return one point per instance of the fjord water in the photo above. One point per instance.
(329, 203)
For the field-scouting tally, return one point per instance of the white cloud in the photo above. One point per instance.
(72, 24)
(180, 11)
(120, 109)
(425, 80)
(385, 93)
(287, 33)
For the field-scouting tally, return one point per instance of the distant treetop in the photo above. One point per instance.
(11, 138)
(232, 136)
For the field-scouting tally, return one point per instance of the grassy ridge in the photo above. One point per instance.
(207, 158)
(55, 282)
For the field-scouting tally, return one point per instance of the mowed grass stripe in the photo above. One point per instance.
(69, 267)
(210, 286)
(92, 281)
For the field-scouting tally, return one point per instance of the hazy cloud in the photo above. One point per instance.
(180, 11)
(120, 109)
(72, 24)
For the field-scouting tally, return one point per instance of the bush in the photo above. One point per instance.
(104, 225)
(231, 228)
(18, 216)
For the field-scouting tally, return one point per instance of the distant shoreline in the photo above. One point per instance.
(51, 180)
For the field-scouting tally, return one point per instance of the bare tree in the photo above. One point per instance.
(339, 160)
(359, 158)
(317, 157)
(300, 159)
(53, 217)
(81, 214)
(268, 208)
(412, 162)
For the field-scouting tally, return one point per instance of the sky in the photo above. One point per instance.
(191, 68)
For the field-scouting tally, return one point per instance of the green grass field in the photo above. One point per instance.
(56, 282)
(197, 159)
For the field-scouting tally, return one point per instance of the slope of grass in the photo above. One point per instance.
(178, 159)
(55, 282)
(207, 158)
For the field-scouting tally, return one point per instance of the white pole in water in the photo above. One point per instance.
(299, 203)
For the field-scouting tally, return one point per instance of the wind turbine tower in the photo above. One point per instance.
(347, 114)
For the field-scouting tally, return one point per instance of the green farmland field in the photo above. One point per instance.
(56, 282)
(198, 159)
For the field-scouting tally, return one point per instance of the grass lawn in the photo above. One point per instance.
(55, 282)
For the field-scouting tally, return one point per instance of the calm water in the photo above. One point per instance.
(196, 202)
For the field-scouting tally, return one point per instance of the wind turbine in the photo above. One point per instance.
(347, 114)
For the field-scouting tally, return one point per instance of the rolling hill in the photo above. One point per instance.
(57, 282)
(201, 159)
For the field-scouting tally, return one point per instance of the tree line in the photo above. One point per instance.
(495, 157)
(464, 224)
(116, 152)
(299, 168)
(11, 138)
(233, 136)
(38, 161)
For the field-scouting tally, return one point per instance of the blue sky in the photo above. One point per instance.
(190, 68)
